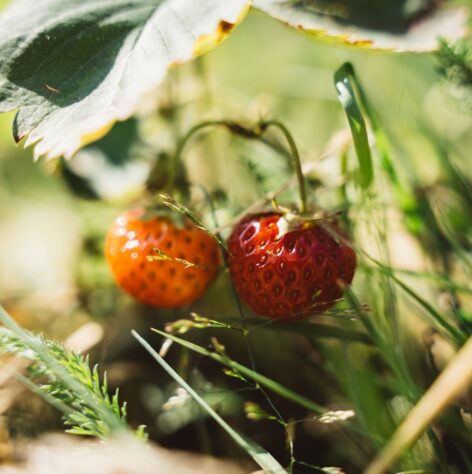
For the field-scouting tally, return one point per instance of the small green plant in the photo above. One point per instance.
(66, 380)
(455, 64)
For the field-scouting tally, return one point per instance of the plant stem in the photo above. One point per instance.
(254, 133)
(249, 373)
(296, 163)
(181, 145)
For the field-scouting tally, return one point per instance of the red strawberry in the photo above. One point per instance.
(166, 283)
(297, 274)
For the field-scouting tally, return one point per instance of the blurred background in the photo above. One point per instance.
(417, 220)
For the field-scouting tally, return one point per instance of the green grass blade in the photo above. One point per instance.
(307, 329)
(347, 97)
(175, 206)
(387, 350)
(435, 278)
(246, 372)
(451, 382)
(264, 459)
(456, 334)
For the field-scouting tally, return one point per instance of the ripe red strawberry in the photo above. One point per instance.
(165, 282)
(294, 275)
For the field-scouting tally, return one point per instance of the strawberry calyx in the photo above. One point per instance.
(291, 220)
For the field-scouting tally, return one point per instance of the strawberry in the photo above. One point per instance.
(292, 273)
(177, 274)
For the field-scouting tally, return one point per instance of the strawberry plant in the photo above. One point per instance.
(262, 237)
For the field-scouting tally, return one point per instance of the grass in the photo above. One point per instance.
(66, 381)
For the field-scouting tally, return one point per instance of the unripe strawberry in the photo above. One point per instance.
(168, 281)
(290, 274)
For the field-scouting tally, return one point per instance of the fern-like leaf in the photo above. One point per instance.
(65, 377)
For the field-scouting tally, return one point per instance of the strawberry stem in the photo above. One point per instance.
(254, 133)
(180, 147)
(296, 163)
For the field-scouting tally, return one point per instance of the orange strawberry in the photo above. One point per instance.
(185, 263)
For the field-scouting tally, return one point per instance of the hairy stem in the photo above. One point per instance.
(255, 133)
(296, 163)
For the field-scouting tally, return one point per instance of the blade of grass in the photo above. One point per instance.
(451, 382)
(264, 459)
(457, 335)
(385, 347)
(175, 206)
(347, 97)
(245, 371)
(402, 374)
(307, 329)
(434, 277)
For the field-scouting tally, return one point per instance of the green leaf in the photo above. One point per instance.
(246, 372)
(342, 80)
(71, 386)
(385, 25)
(263, 458)
(73, 67)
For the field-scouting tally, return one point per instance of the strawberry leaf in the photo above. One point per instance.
(74, 67)
(394, 25)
